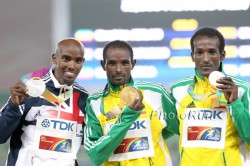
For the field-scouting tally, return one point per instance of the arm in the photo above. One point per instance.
(239, 110)
(238, 107)
(100, 147)
(10, 116)
(170, 115)
(11, 113)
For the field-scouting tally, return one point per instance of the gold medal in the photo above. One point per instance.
(127, 96)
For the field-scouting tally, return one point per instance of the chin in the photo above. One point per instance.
(68, 82)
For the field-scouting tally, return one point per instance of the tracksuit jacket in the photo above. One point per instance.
(18, 122)
(203, 129)
(114, 141)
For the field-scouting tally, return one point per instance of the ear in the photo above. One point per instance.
(103, 65)
(223, 55)
(192, 56)
(53, 58)
(133, 63)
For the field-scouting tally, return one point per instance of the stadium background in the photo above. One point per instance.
(159, 34)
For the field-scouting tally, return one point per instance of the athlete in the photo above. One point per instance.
(47, 129)
(135, 134)
(214, 118)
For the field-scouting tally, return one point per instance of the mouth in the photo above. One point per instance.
(206, 66)
(69, 73)
(118, 77)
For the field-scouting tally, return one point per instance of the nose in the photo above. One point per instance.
(71, 65)
(206, 57)
(118, 68)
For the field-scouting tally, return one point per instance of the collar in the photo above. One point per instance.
(115, 90)
(199, 78)
(56, 83)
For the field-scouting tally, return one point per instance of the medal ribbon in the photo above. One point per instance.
(47, 94)
(202, 97)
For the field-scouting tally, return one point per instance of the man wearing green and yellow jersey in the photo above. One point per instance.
(214, 120)
(133, 135)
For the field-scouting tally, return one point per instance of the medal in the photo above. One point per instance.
(127, 96)
(215, 75)
(35, 87)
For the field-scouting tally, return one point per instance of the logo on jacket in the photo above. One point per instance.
(191, 105)
(204, 133)
(132, 145)
(45, 123)
(58, 125)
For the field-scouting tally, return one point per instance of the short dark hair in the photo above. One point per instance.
(210, 32)
(117, 44)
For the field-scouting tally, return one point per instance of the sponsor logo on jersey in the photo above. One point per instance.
(55, 144)
(204, 133)
(133, 144)
(202, 115)
(57, 124)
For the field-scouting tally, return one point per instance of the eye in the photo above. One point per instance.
(212, 52)
(125, 63)
(66, 58)
(111, 63)
(79, 60)
(198, 52)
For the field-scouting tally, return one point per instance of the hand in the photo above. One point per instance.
(137, 104)
(18, 92)
(229, 89)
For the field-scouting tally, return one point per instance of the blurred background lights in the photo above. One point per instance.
(84, 35)
(98, 53)
(185, 24)
(180, 43)
(149, 72)
(244, 32)
(135, 34)
(244, 51)
(231, 69)
(100, 73)
(88, 54)
(231, 51)
(228, 32)
(180, 62)
(244, 69)
(86, 73)
(136, 6)
(151, 53)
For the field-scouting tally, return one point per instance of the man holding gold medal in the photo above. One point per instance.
(128, 121)
(44, 115)
(213, 107)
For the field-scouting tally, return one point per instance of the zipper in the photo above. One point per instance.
(150, 161)
(224, 158)
(182, 151)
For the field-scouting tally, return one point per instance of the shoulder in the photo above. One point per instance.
(79, 88)
(182, 82)
(96, 95)
(156, 87)
(240, 82)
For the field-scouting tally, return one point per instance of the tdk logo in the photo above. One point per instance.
(56, 124)
(137, 125)
(45, 123)
(203, 115)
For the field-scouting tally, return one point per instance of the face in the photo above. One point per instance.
(68, 60)
(118, 65)
(206, 55)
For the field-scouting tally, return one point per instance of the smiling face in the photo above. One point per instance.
(68, 61)
(118, 65)
(206, 54)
